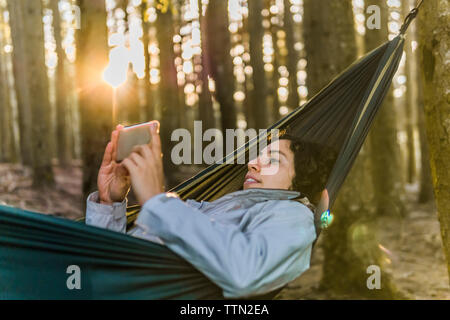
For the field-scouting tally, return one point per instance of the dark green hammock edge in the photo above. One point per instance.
(36, 249)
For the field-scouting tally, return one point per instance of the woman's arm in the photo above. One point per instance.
(242, 263)
(112, 217)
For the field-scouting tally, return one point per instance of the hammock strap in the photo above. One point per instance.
(410, 17)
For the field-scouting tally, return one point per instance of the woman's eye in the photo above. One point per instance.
(274, 160)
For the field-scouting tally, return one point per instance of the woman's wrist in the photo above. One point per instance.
(108, 203)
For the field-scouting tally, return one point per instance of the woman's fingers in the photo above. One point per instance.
(129, 165)
(143, 151)
(137, 159)
(107, 157)
(115, 140)
(155, 143)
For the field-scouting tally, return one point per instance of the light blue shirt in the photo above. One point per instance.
(248, 242)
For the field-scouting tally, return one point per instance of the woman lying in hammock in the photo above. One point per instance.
(248, 242)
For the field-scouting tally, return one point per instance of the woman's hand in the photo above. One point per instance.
(113, 180)
(145, 167)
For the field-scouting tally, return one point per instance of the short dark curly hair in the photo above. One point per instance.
(313, 163)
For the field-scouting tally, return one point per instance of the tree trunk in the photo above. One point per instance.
(425, 182)
(426, 192)
(7, 143)
(149, 98)
(206, 111)
(62, 125)
(274, 85)
(385, 157)
(410, 103)
(219, 45)
(434, 38)
(256, 33)
(292, 57)
(95, 95)
(168, 89)
(20, 71)
(38, 90)
(127, 97)
(248, 85)
(331, 45)
(350, 244)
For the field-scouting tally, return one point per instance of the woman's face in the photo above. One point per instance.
(273, 168)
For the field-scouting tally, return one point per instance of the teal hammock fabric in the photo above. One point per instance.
(36, 250)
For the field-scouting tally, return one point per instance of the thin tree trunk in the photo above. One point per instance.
(274, 28)
(434, 37)
(410, 104)
(149, 98)
(248, 86)
(7, 150)
(256, 31)
(20, 71)
(127, 95)
(292, 58)
(95, 95)
(206, 111)
(168, 89)
(38, 90)
(386, 163)
(219, 45)
(62, 125)
(350, 244)
(426, 192)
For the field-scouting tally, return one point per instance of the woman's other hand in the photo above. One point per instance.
(145, 167)
(113, 180)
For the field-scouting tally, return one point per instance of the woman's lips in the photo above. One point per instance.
(250, 180)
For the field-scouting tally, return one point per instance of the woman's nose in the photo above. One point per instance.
(254, 165)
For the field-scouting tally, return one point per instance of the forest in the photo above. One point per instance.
(71, 70)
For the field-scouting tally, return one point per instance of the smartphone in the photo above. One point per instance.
(132, 136)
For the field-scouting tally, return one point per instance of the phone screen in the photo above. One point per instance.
(132, 136)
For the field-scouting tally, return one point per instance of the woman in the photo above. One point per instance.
(248, 242)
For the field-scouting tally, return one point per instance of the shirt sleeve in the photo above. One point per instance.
(243, 264)
(112, 217)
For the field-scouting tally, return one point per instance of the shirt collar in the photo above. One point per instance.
(261, 194)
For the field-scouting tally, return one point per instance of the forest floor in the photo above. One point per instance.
(416, 259)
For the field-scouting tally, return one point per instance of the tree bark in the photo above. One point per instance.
(410, 103)
(385, 157)
(275, 108)
(256, 33)
(350, 244)
(330, 39)
(62, 125)
(434, 39)
(149, 98)
(94, 94)
(127, 97)
(292, 57)
(37, 81)
(206, 111)
(168, 89)
(7, 143)
(20, 71)
(425, 182)
(219, 58)
(426, 192)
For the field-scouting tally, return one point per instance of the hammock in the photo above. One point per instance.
(36, 250)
